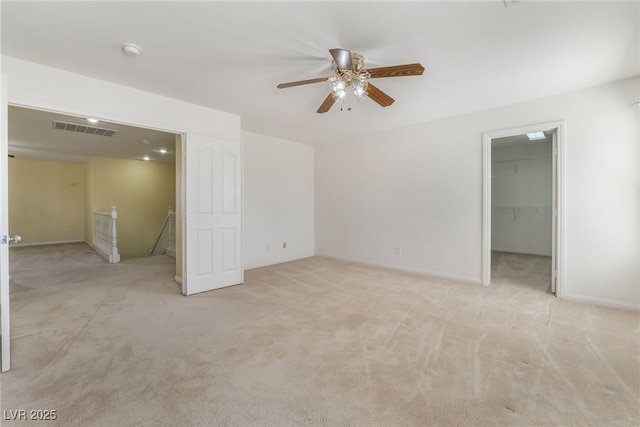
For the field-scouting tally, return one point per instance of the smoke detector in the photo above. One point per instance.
(131, 49)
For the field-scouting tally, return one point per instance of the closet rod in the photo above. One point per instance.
(521, 160)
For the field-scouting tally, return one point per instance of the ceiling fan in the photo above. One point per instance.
(352, 76)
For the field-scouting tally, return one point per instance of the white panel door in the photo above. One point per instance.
(213, 214)
(4, 231)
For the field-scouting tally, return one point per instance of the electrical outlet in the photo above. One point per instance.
(268, 248)
(284, 245)
(66, 230)
(397, 250)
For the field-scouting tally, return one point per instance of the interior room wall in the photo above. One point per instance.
(279, 200)
(521, 196)
(419, 189)
(46, 201)
(89, 226)
(141, 192)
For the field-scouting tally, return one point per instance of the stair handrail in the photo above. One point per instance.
(165, 224)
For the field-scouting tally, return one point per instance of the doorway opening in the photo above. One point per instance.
(66, 171)
(522, 207)
(53, 199)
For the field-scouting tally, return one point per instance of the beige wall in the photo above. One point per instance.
(142, 193)
(88, 202)
(46, 200)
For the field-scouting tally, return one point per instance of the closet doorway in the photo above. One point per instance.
(522, 207)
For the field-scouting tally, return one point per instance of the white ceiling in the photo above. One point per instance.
(231, 55)
(32, 135)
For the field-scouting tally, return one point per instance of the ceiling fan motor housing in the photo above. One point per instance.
(348, 75)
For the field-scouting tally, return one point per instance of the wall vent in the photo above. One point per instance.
(92, 130)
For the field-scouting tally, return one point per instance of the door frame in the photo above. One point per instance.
(5, 300)
(558, 192)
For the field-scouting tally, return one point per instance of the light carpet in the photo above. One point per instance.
(521, 270)
(311, 342)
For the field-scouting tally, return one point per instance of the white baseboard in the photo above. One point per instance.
(604, 302)
(178, 280)
(56, 242)
(436, 274)
(520, 252)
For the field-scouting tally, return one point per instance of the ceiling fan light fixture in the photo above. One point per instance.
(338, 88)
(360, 87)
(341, 88)
(337, 84)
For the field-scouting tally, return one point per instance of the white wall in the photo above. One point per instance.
(521, 195)
(38, 86)
(278, 197)
(420, 189)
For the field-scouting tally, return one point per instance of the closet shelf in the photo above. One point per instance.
(522, 208)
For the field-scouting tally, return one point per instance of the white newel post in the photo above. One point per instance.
(115, 256)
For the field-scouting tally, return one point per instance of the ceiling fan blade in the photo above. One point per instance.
(397, 71)
(379, 96)
(302, 82)
(342, 58)
(327, 104)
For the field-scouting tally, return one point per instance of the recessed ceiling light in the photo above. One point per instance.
(92, 120)
(131, 49)
(163, 151)
(145, 141)
(534, 136)
(145, 158)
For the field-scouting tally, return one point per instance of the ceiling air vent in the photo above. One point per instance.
(92, 130)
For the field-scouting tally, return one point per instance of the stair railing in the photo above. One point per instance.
(165, 243)
(105, 235)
